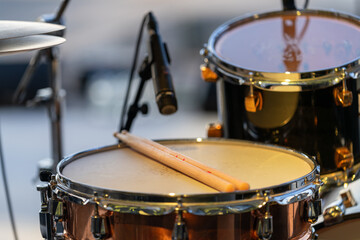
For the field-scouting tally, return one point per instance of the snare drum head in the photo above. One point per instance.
(125, 170)
(289, 42)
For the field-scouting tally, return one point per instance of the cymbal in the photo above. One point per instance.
(15, 29)
(21, 44)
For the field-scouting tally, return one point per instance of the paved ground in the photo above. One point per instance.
(101, 34)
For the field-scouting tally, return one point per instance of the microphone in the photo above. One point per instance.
(159, 60)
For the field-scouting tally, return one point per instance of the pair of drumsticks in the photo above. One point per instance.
(186, 165)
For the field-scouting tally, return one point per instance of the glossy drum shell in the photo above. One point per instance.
(298, 105)
(288, 224)
(232, 215)
(315, 126)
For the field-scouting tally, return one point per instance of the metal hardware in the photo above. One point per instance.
(46, 223)
(180, 230)
(51, 214)
(204, 51)
(254, 100)
(348, 199)
(314, 235)
(343, 97)
(99, 227)
(313, 210)
(264, 228)
(334, 214)
(207, 74)
(339, 178)
(215, 130)
(344, 158)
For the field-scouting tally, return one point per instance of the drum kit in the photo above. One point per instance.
(288, 125)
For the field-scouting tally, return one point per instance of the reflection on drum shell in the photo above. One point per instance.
(309, 121)
(289, 224)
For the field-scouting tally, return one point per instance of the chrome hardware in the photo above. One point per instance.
(343, 97)
(254, 100)
(313, 210)
(344, 158)
(99, 227)
(46, 223)
(207, 74)
(334, 214)
(204, 51)
(180, 231)
(264, 228)
(348, 199)
(215, 130)
(314, 235)
(52, 209)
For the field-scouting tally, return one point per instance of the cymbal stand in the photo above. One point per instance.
(52, 96)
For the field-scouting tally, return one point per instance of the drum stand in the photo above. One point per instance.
(52, 96)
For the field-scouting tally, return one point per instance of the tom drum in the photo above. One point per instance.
(290, 78)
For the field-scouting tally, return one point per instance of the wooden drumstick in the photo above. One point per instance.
(177, 164)
(239, 185)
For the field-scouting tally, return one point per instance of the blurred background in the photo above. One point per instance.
(95, 62)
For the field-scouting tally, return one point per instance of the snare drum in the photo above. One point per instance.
(116, 193)
(290, 78)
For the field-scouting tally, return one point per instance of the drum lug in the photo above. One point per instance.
(99, 227)
(344, 158)
(254, 100)
(215, 130)
(313, 210)
(99, 224)
(207, 74)
(180, 230)
(343, 97)
(204, 52)
(264, 227)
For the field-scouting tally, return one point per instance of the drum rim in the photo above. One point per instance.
(268, 80)
(198, 204)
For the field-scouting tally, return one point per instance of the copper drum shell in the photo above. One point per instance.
(288, 223)
(207, 215)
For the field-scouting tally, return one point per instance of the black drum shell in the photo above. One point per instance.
(315, 125)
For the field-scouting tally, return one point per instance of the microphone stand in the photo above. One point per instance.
(53, 96)
(145, 74)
